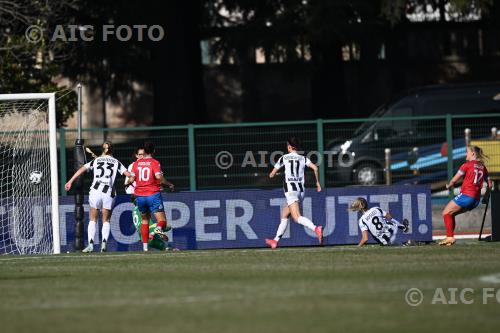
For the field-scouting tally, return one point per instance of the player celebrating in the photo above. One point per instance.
(379, 223)
(475, 173)
(102, 192)
(155, 241)
(147, 174)
(293, 185)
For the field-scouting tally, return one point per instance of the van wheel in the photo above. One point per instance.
(367, 174)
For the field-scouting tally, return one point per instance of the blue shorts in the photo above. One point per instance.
(150, 204)
(465, 201)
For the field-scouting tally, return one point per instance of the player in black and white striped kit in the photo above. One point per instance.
(379, 223)
(102, 192)
(293, 186)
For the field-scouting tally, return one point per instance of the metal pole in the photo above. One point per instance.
(79, 156)
(79, 120)
(321, 149)
(192, 158)
(62, 159)
(449, 144)
(467, 137)
(388, 175)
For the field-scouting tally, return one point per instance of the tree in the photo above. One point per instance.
(32, 66)
(434, 10)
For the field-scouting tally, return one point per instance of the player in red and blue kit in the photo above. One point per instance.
(475, 174)
(147, 174)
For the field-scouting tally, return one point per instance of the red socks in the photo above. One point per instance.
(449, 222)
(161, 224)
(145, 233)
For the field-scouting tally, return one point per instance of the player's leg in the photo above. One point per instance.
(273, 243)
(143, 206)
(400, 225)
(145, 230)
(95, 204)
(297, 217)
(91, 229)
(161, 225)
(393, 232)
(159, 214)
(107, 206)
(452, 209)
(106, 228)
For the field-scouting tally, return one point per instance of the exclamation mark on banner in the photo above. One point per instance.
(422, 212)
(407, 211)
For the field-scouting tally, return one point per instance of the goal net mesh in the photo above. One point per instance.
(25, 184)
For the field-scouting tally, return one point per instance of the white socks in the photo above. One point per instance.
(105, 231)
(281, 229)
(306, 223)
(144, 247)
(91, 231)
(397, 223)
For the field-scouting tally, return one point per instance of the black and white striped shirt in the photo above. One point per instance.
(105, 169)
(375, 223)
(294, 171)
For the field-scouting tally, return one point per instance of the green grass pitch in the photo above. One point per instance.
(330, 289)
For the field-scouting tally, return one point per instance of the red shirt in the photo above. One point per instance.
(145, 171)
(475, 173)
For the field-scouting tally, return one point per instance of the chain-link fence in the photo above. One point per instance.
(369, 151)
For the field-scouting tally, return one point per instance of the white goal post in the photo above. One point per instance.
(26, 121)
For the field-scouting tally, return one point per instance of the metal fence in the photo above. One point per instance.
(349, 151)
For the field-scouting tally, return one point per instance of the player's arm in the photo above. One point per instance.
(129, 180)
(316, 175)
(455, 179)
(273, 173)
(489, 186)
(388, 217)
(164, 182)
(127, 173)
(364, 238)
(67, 186)
(276, 168)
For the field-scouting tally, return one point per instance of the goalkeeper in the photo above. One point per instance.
(155, 240)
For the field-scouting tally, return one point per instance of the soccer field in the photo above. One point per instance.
(286, 290)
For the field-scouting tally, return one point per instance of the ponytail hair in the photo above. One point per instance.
(480, 155)
(360, 204)
(294, 142)
(107, 148)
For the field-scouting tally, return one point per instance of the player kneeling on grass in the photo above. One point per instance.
(474, 173)
(147, 174)
(102, 192)
(293, 185)
(155, 240)
(379, 223)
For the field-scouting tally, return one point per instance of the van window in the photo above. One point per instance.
(390, 128)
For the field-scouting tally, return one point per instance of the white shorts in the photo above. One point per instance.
(388, 238)
(100, 200)
(294, 196)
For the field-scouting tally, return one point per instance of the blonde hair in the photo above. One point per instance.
(107, 148)
(478, 151)
(359, 204)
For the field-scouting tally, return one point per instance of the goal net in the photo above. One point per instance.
(29, 218)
